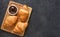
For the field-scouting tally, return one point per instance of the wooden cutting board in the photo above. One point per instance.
(7, 14)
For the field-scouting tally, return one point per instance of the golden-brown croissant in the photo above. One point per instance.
(23, 12)
(10, 21)
(20, 27)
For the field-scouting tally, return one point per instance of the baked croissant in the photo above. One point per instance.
(10, 21)
(20, 27)
(23, 13)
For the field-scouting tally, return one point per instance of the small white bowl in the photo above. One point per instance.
(11, 13)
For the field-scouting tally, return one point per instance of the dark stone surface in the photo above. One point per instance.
(44, 21)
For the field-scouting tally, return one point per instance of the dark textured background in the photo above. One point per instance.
(44, 21)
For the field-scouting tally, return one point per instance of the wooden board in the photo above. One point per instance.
(18, 5)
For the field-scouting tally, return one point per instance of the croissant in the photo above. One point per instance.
(20, 27)
(23, 12)
(10, 21)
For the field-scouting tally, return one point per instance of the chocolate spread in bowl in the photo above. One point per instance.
(12, 10)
